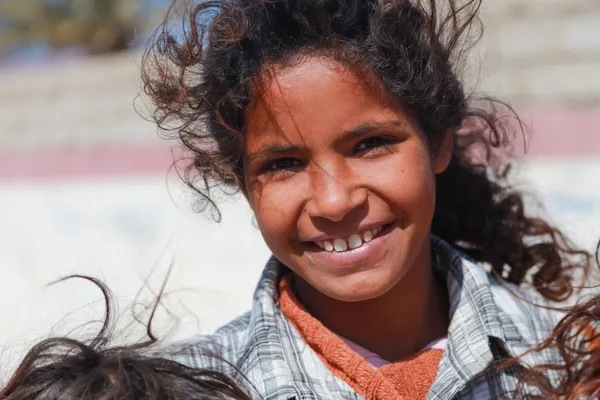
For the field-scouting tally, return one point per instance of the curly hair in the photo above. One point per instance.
(577, 339)
(68, 369)
(201, 84)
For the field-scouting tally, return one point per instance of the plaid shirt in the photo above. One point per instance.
(487, 324)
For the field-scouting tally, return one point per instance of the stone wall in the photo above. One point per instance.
(542, 52)
(535, 53)
(80, 102)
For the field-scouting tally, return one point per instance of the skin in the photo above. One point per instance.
(328, 155)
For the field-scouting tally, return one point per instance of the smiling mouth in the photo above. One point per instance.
(352, 242)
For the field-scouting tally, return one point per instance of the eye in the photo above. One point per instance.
(280, 164)
(374, 143)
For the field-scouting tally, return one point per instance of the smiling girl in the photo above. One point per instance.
(378, 186)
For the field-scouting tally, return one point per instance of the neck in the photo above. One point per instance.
(414, 311)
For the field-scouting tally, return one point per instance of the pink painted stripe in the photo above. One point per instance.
(554, 133)
(84, 162)
(561, 132)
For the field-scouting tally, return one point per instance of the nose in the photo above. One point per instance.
(334, 195)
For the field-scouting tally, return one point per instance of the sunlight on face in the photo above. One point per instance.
(340, 179)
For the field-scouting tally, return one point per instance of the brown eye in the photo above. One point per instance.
(375, 142)
(281, 164)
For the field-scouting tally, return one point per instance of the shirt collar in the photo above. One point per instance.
(469, 290)
(475, 335)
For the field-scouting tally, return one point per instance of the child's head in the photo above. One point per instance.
(69, 369)
(345, 124)
(65, 369)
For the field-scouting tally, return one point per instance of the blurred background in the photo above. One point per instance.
(85, 184)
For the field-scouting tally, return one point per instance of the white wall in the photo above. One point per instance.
(123, 231)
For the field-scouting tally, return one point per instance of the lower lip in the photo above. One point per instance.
(354, 256)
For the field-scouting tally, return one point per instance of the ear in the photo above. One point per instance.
(443, 155)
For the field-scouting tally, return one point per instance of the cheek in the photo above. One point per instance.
(407, 183)
(276, 213)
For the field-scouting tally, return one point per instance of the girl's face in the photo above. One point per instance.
(341, 180)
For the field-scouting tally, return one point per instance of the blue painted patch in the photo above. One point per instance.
(565, 202)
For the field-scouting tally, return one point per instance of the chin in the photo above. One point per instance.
(355, 289)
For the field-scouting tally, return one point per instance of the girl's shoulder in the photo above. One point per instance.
(484, 304)
(238, 341)
(470, 283)
(532, 317)
(220, 351)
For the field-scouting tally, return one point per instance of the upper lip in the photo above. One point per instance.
(346, 233)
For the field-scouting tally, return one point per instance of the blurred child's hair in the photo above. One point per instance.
(68, 369)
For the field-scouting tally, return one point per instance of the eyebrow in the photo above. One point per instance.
(272, 149)
(369, 126)
(351, 134)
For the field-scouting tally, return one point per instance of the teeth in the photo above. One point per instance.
(354, 241)
(340, 245)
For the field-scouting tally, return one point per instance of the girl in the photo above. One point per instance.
(377, 184)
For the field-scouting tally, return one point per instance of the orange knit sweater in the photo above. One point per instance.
(409, 378)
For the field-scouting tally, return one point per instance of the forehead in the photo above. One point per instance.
(312, 101)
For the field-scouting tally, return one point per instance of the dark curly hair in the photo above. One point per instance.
(67, 369)
(201, 84)
(577, 339)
